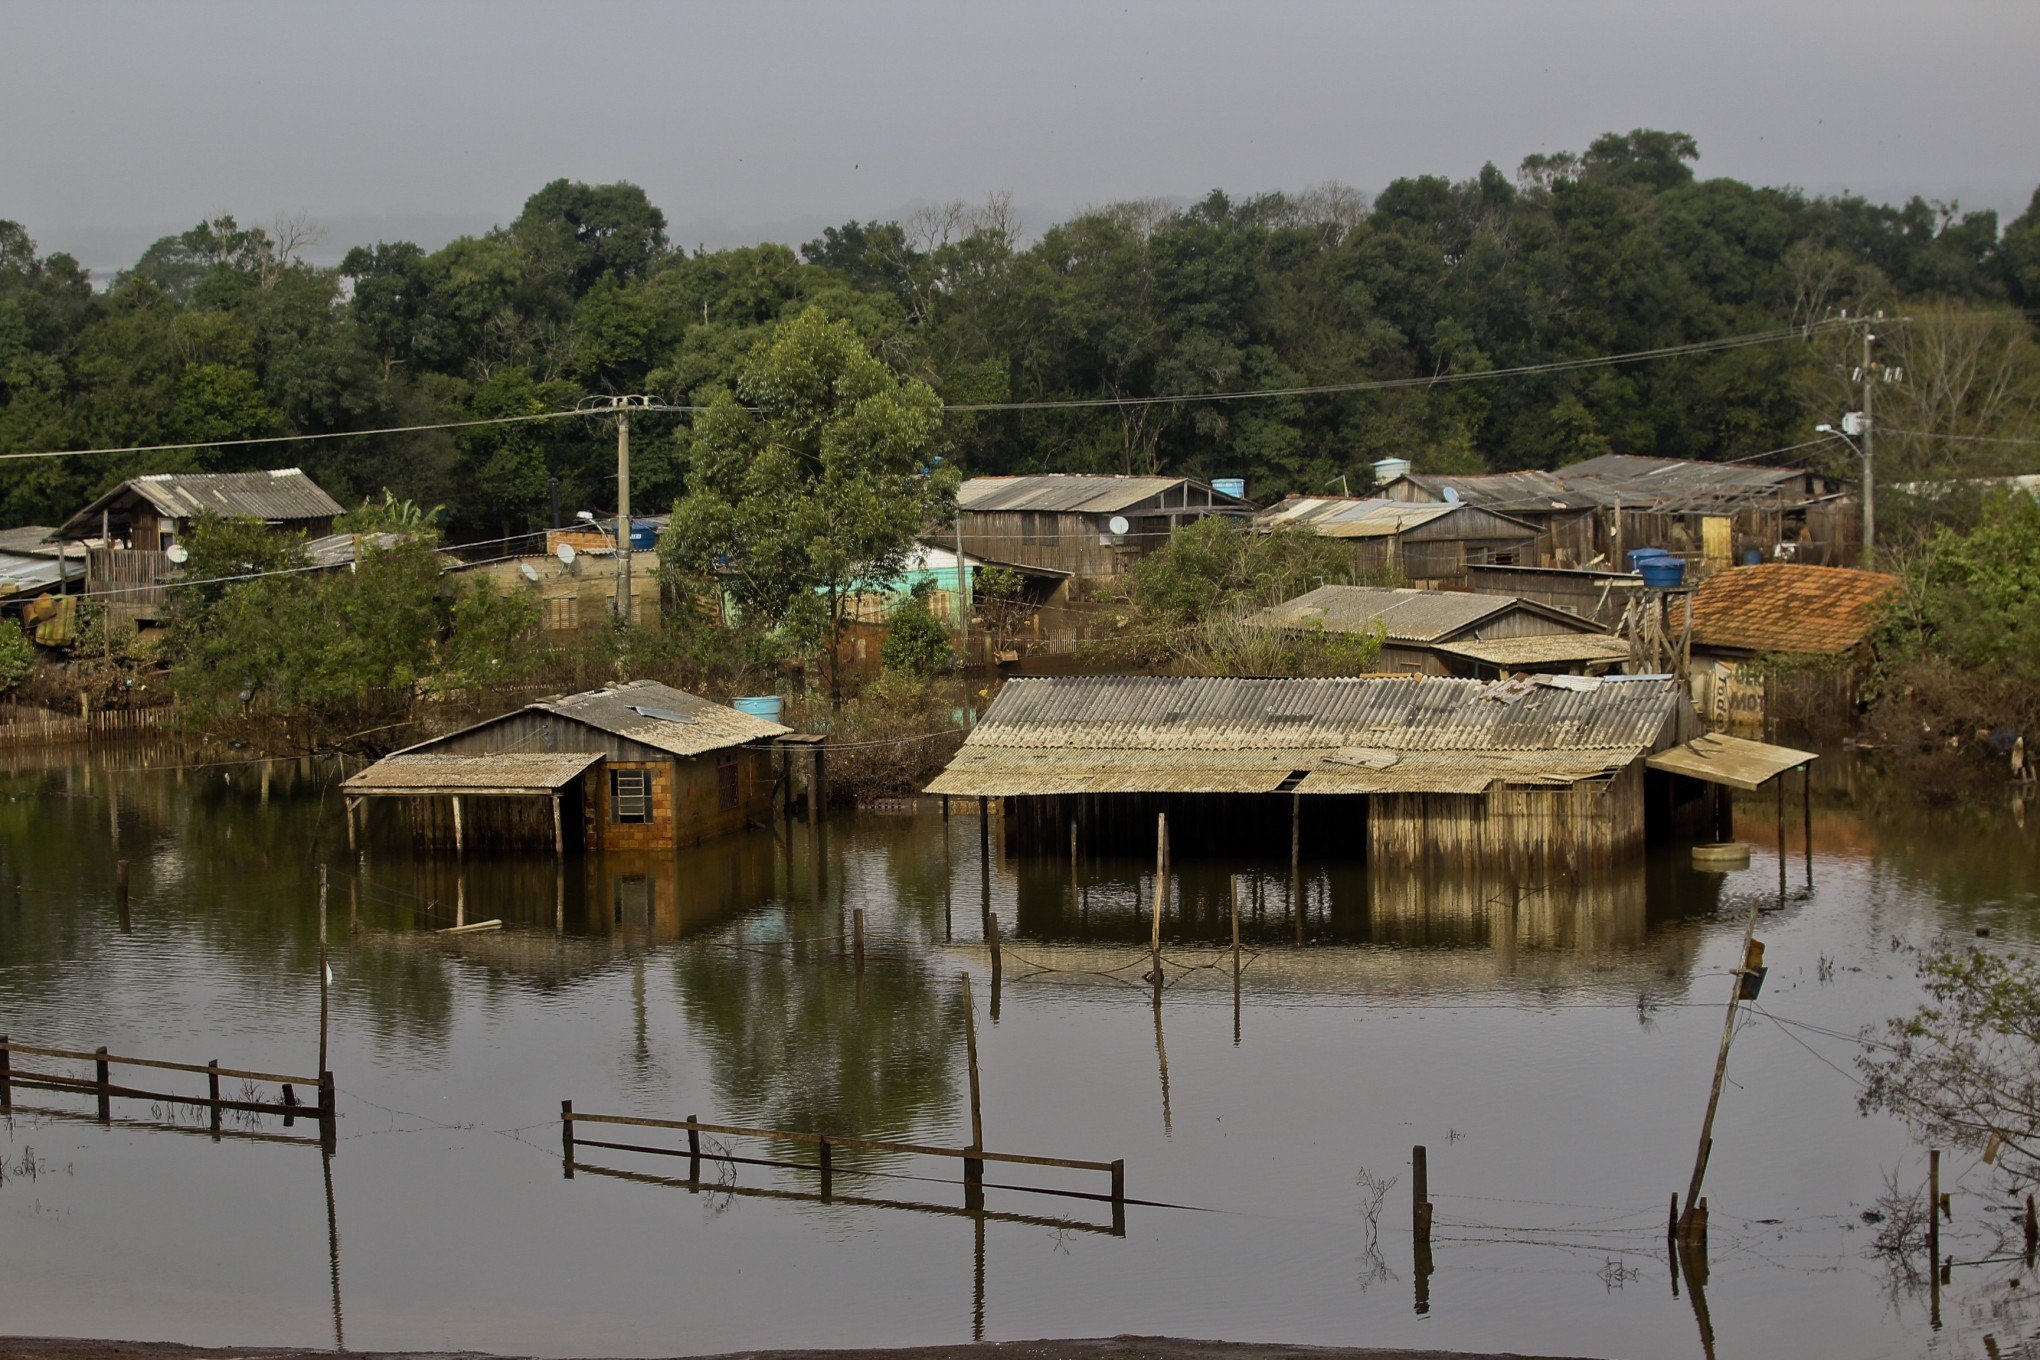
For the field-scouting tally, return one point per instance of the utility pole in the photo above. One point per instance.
(622, 507)
(962, 622)
(1869, 456)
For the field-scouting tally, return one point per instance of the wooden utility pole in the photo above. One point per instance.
(973, 1171)
(1869, 455)
(1161, 889)
(325, 976)
(1692, 1224)
(622, 509)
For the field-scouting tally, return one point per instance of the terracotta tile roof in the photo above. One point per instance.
(1786, 607)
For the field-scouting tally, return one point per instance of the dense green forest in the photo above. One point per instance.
(224, 332)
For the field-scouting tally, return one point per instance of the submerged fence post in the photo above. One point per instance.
(1119, 1196)
(973, 1169)
(105, 1095)
(992, 938)
(857, 929)
(693, 1149)
(567, 1136)
(828, 1166)
(120, 895)
(212, 1088)
(1161, 893)
(1420, 1223)
(7, 1096)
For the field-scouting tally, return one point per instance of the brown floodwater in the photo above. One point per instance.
(1550, 1044)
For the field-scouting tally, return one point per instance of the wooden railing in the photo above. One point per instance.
(101, 1085)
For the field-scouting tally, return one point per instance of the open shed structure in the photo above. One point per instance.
(1422, 772)
(636, 766)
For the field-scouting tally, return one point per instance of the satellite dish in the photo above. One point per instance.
(565, 552)
(1118, 525)
(1452, 495)
(530, 572)
(178, 553)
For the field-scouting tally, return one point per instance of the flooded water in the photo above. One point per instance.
(1549, 1044)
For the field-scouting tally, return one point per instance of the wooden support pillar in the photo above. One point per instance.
(7, 1080)
(973, 1169)
(992, 938)
(325, 979)
(1161, 889)
(857, 926)
(459, 839)
(348, 805)
(1806, 815)
(559, 828)
(985, 828)
(818, 787)
(212, 1088)
(567, 1137)
(945, 807)
(1779, 780)
(828, 1167)
(785, 784)
(693, 1149)
(103, 1084)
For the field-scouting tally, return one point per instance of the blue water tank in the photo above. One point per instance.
(1638, 556)
(1230, 486)
(1662, 573)
(766, 706)
(1752, 556)
(644, 534)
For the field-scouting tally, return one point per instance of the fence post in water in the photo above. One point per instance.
(120, 892)
(973, 1169)
(1161, 890)
(817, 788)
(1420, 1193)
(985, 828)
(945, 807)
(325, 986)
(7, 1099)
(693, 1149)
(105, 1095)
(1934, 1207)
(2032, 1220)
(567, 1136)
(1119, 1196)
(1806, 815)
(992, 938)
(1236, 930)
(212, 1089)
(459, 841)
(828, 1166)
(857, 929)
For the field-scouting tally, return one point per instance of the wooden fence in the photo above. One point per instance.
(825, 1145)
(101, 1086)
(23, 725)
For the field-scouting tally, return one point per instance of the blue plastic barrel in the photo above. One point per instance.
(1662, 573)
(1638, 556)
(766, 706)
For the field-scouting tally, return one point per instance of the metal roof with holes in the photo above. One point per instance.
(1343, 517)
(279, 496)
(1405, 614)
(1216, 734)
(1077, 493)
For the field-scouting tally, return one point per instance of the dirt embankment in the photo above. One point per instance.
(1111, 1348)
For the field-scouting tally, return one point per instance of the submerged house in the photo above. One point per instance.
(1558, 772)
(132, 531)
(1428, 545)
(1817, 620)
(1091, 526)
(636, 766)
(1446, 632)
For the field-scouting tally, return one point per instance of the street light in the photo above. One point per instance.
(1856, 422)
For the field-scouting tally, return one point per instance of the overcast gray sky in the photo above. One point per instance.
(122, 121)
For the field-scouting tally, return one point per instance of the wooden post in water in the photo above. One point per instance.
(567, 1136)
(945, 807)
(2032, 1219)
(7, 1100)
(1779, 780)
(818, 789)
(828, 1167)
(325, 978)
(1119, 1197)
(120, 895)
(105, 1095)
(857, 936)
(459, 841)
(1161, 890)
(693, 1149)
(347, 805)
(992, 938)
(1934, 1207)
(1693, 1223)
(1806, 815)
(1295, 832)
(985, 828)
(212, 1087)
(973, 1169)
(1420, 1228)
(1236, 931)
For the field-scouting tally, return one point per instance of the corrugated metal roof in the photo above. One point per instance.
(340, 550)
(1510, 492)
(1735, 761)
(1788, 607)
(1406, 615)
(1350, 517)
(1230, 735)
(26, 575)
(282, 494)
(508, 773)
(1075, 493)
(660, 716)
(1643, 474)
(1543, 650)
(33, 540)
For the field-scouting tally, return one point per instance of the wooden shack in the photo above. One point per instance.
(634, 766)
(1426, 545)
(1091, 526)
(1449, 632)
(1544, 774)
(1748, 618)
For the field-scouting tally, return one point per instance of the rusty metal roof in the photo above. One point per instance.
(515, 772)
(1076, 493)
(1217, 734)
(1735, 761)
(279, 495)
(1404, 614)
(1788, 607)
(1543, 650)
(660, 716)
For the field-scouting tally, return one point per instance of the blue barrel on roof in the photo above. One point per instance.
(766, 706)
(644, 535)
(1662, 573)
(1638, 556)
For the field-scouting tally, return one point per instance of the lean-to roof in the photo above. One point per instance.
(422, 773)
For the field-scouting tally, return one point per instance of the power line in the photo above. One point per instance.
(304, 438)
(1962, 438)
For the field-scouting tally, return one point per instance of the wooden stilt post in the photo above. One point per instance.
(1779, 780)
(103, 1082)
(1119, 1197)
(212, 1088)
(1420, 1224)
(559, 828)
(567, 1136)
(7, 1083)
(1806, 815)
(985, 828)
(1161, 891)
(828, 1167)
(459, 840)
(992, 938)
(347, 805)
(945, 807)
(2032, 1219)
(973, 1169)
(1295, 832)
(693, 1149)
(1934, 1207)
(1236, 930)
(857, 929)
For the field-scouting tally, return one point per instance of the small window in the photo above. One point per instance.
(726, 778)
(630, 796)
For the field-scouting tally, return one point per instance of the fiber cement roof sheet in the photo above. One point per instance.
(282, 494)
(1544, 650)
(1405, 615)
(662, 717)
(1735, 761)
(510, 772)
(1071, 493)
